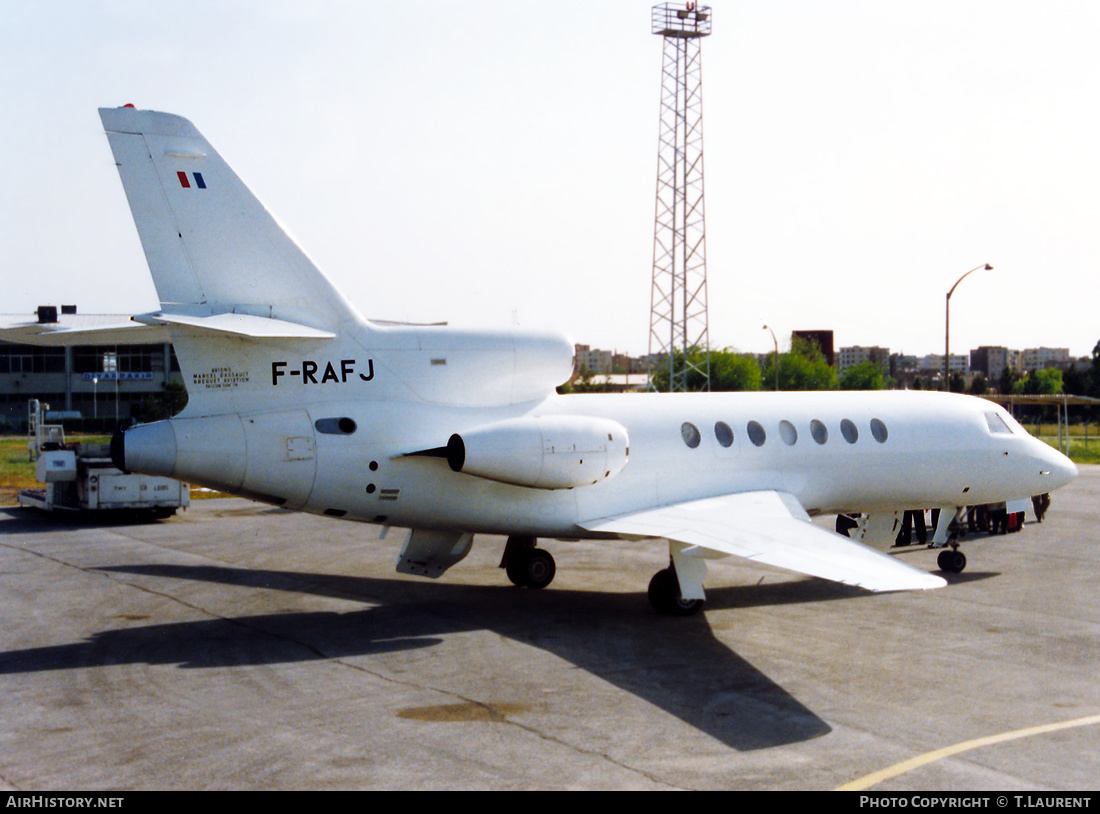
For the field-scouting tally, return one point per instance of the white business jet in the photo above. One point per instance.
(297, 401)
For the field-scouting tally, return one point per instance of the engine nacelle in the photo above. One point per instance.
(545, 452)
(264, 456)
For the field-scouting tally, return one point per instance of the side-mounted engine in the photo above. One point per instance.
(542, 452)
(546, 452)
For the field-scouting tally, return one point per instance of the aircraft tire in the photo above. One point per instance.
(951, 561)
(664, 595)
(534, 569)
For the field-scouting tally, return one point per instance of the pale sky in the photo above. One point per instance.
(488, 162)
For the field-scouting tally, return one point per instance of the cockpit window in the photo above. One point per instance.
(997, 425)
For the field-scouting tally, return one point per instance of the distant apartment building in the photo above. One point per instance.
(991, 361)
(605, 362)
(594, 360)
(1039, 358)
(856, 354)
(933, 363)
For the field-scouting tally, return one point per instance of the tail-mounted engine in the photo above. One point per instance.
(545, 452)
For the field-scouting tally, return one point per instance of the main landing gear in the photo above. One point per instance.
(525, 565)
(530, 567)
(664, 594)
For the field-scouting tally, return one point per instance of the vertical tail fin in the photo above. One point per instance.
(212, 247)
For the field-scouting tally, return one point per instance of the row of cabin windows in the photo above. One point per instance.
(723, 433)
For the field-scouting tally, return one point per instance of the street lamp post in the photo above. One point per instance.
(947, 327)
(776, 341)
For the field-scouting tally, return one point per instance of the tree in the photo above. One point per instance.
(1075, 382)
(659, 381)
(804, 368)
(1007, 382)
(1092, 381)
(162, 405)
(864, 376)
(1045, 382)
(730, 370)
(1094, 374)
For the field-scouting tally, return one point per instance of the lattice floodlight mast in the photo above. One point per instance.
(678, 333)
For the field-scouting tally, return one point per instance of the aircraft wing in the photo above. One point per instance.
(773, 528)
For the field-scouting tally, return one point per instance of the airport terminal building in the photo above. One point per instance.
(102, 382)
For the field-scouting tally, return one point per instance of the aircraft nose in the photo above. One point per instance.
(1055, 469)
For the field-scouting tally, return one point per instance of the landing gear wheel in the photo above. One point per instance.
(540, 569)
(664, 595)
(533, 568)
(952, 561)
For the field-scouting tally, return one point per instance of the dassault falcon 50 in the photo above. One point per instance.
(298, 401)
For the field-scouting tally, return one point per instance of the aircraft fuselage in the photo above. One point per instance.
(835, 451)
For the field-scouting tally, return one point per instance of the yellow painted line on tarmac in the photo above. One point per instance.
(875, 778)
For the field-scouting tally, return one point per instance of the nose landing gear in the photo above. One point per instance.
(951, 560)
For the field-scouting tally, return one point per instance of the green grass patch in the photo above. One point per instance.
(16, 466)
(17, 469)
(1083, 442)
(1080, 451)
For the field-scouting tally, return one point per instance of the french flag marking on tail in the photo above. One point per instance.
(185, 182)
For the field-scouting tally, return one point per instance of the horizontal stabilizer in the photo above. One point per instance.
(68, 331)
(773, 528)
(245, 325)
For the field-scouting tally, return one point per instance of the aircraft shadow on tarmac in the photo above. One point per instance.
(675, 664)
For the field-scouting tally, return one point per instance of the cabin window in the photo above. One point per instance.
(878, 429)
(788, 433)
(756, 433)
(690, 433)
(723, 434)
(849, 431)
(818, 431)
(997, 425)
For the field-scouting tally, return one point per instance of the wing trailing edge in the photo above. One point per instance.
(773, 528)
